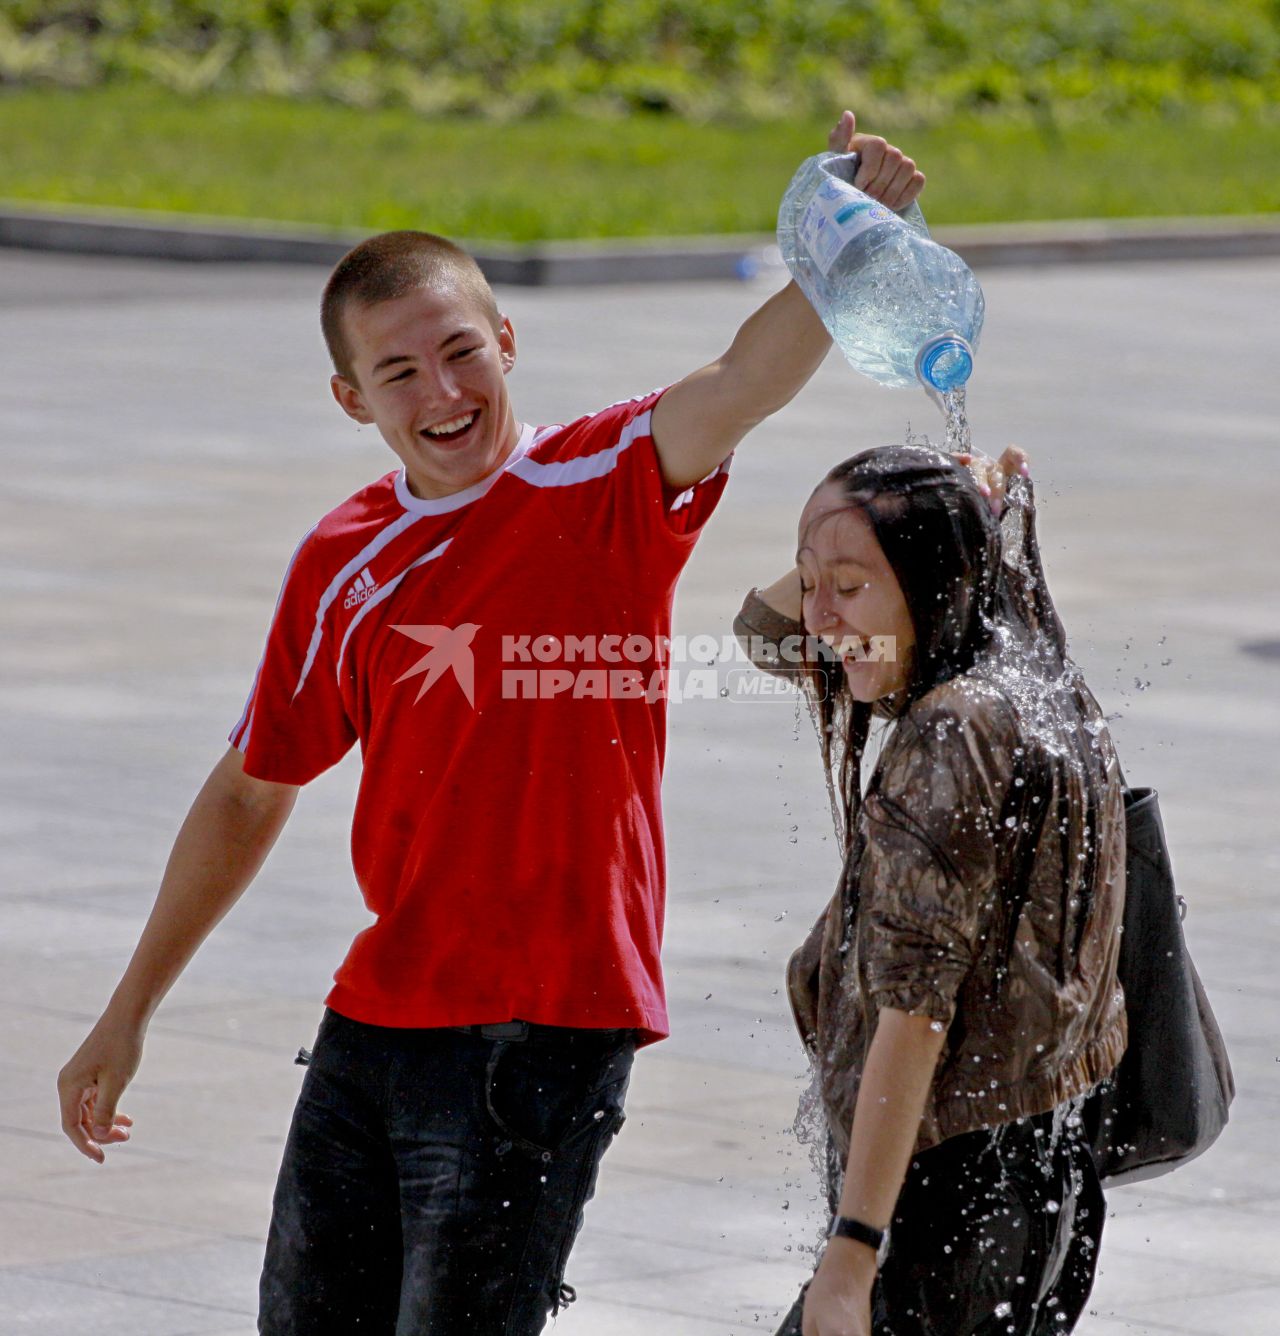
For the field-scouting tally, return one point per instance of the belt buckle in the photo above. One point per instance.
(511, 1030)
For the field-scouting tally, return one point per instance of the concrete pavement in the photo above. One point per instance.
(166, 436)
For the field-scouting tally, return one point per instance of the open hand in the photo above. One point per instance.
(992, 475)
(885, 172)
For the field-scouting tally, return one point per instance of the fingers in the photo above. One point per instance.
(906, 186)
(89, 1121)
(104, 1124)
(871, 150)
(884, 171)
(881, 163)
(1015, 460)
(75, 1102)
(988, 475)
(839, 138)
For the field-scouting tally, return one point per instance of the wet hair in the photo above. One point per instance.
(976, 593)
(943, 544)
(393, 265)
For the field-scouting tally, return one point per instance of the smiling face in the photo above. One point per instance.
(429, 371)
(851, 596)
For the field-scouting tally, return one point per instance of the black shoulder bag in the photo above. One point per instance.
(1167, 1101)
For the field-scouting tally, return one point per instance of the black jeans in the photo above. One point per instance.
(434, 1179)
(993, 1233)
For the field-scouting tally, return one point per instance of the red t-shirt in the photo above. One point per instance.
(498, 654)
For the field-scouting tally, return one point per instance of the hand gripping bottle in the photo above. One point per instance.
(904, 310)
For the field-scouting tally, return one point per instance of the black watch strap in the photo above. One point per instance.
(845, 1227)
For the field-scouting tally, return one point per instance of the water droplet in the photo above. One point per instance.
(1004, 1309)
(1052, 1207)
(937, 1027)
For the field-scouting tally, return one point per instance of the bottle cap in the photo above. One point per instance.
(945, 362)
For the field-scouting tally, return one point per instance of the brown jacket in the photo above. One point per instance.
(979, 890)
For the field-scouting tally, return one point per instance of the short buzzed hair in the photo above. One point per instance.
(391, 265)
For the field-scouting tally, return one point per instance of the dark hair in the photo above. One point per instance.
(940, 538)
(393, 265)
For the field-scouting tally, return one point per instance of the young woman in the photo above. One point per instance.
(959, 991)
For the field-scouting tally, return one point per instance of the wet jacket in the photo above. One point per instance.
(984, 882)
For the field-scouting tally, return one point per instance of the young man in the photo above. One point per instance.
(488, 623)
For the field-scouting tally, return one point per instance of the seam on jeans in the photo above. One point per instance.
(609, 1128)
(593, 1154)
(524, 1257)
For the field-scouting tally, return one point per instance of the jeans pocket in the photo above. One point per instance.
(541, 1098)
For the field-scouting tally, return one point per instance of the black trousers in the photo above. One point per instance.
(994, 1234)
(434, 1179)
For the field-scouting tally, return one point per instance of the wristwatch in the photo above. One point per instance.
(845, 1227)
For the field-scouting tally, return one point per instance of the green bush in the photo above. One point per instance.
(698, 59)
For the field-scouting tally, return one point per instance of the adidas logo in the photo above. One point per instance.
(363, 587)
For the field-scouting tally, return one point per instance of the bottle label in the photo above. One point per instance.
(837, 213)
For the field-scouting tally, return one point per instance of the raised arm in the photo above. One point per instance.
(698, 423)
(227, 835)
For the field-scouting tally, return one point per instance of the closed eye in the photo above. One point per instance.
(402, 375)
(462, 352)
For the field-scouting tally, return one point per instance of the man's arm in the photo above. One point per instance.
(698, 422)
(886, 1120)
(227, 835)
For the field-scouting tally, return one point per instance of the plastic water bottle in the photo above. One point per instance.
(903, 310)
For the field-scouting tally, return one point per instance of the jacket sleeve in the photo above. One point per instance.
(927, 878)
(773, 642)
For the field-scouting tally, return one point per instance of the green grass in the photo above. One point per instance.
(253, 157)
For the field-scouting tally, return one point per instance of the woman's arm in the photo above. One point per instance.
(891, 1099)
(783, 596)
(769, 628)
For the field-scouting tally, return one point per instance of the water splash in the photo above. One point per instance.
(957, 435)
(810, 1130)
(959, 439)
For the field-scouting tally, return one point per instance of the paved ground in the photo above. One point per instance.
(166, 438)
